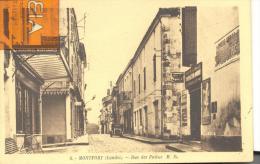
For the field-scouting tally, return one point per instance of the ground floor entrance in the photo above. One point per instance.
(127, 121)
(195, 113)
(53, 118)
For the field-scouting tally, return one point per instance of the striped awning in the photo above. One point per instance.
(48, 65)
(56, 92)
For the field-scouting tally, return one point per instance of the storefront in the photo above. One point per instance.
(28, 115)
(22, 103)
(193, 78)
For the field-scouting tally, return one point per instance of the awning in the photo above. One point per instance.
(56, 92)
(49, 65)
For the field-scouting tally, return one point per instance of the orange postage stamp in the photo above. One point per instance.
(29, 24)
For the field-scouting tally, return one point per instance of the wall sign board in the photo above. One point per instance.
(193, 76)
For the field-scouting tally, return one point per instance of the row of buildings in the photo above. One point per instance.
(44, 87)
(183, 82)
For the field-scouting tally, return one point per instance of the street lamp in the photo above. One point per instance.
(93, 98)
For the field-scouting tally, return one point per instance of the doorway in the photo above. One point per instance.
(146, 119)
(156, 118)
(195, 113)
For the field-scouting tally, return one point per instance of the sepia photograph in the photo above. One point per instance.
(125, 81)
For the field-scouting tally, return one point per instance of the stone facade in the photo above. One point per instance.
(176, 87)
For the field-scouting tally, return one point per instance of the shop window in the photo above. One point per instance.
(19, 108)
(27, 110)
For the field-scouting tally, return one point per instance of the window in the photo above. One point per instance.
(144, 78)
(139, 84)
(146, 117)
(154, 67)
(140, 114)
(36, 112)
(156, 112)
(214, 109)
(27, 110)
(135, 118)
(134, 89)
(19, 109)
(6, 22)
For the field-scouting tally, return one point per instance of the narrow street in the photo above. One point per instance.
(101, 143)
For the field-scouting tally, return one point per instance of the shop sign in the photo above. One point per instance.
(33, 24)
(177, 77)
(206, 102)
(228, 47)
(193, 75)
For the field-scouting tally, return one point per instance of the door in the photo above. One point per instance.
(156, 118)
(195, 113)
(146, 119)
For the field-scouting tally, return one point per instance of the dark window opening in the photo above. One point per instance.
(141, 121)
(144, 78)
(214, 107)
(135, 118)
(27, 110)
(139, 84)
(154, 67)
(134, 89)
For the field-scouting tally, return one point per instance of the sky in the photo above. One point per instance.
(115, 28)
(113, 32)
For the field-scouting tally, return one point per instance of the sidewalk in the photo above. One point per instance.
(149, 140)
(185, 147)
(82, 140)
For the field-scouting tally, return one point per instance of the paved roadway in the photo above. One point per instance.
(103, 143)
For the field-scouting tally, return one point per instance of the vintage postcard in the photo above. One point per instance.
(119, 81)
